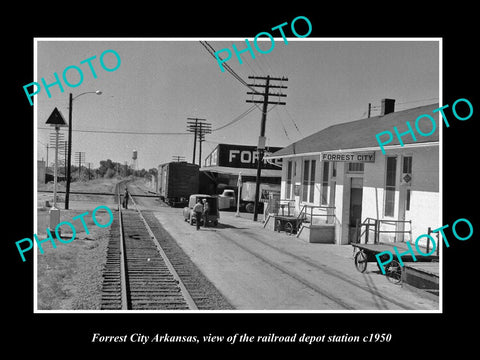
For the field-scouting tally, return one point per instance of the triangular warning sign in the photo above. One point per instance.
(56, 118)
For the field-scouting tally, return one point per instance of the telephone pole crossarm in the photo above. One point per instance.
(256, 93)
(270, 86)
(199, 127)
(268, 78)
(268, 102)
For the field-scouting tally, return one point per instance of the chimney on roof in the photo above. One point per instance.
(388, 106)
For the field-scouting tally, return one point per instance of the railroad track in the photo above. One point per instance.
(138, 275)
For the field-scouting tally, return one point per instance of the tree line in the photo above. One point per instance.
(108, 169)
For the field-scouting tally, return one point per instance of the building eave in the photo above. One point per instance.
(373, 148)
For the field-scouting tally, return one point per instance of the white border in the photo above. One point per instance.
(187, 312)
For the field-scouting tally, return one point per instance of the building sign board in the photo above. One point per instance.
(240, 156)
(364, 157)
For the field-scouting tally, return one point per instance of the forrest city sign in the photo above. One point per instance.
(354, 157)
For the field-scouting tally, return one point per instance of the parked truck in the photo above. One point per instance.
(247, 198)
(177, 181)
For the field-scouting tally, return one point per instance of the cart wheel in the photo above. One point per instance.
(393, 272)
(289, 228)
(361, 261)
(383, 258)
(278, 225)
(355, 249)
(250, 207)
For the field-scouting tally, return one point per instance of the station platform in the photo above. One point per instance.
(422, 275)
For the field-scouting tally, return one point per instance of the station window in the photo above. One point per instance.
(390, 183)
(407, 205)
(312, 181)
(288, 189)
(407, 164)
(308, 180)
(305, 182)
(355, 167)
(324, 196)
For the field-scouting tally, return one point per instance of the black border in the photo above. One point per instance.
(412, 334)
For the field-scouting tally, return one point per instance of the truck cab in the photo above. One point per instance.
(227, 199)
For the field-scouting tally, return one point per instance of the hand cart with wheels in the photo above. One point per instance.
(365, 253)
(289, 224)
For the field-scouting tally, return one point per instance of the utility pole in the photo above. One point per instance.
(65, 152)
(205, 129)
(46, 167)
(192, 126)
(199, 127)
(178, 158)
(80, 157)
(69, 152)
(261, 139)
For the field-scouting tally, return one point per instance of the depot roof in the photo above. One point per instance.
(360, 134)
(244, 171)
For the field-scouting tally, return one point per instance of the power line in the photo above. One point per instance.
(283, 127)
(123, 132)
(212, 52)
(238, 118)
(293, 121)
(416, 101)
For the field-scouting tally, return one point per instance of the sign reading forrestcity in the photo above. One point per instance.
(347, 157)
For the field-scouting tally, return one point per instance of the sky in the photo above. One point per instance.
(162, 82)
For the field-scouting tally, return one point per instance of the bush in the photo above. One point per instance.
(110, 173)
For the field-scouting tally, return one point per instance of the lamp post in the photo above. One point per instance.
(69, 156)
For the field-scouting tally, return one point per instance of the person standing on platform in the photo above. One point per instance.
(198, 210)
(206, 211)
(125, 199)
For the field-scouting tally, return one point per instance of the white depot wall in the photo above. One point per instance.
(425, 206)
(424, 189)
(373, 188)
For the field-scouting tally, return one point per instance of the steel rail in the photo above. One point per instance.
(186, 295)
(123, 260)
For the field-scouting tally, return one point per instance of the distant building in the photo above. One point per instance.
(221, 167)
(341, 175)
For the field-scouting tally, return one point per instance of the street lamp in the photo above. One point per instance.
(71, 98)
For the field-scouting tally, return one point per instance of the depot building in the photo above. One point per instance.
(222, 166)
(350, 191)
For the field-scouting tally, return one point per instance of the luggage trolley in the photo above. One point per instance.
(365, 253)
(289, 224)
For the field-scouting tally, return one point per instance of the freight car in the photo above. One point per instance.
(176, 182)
